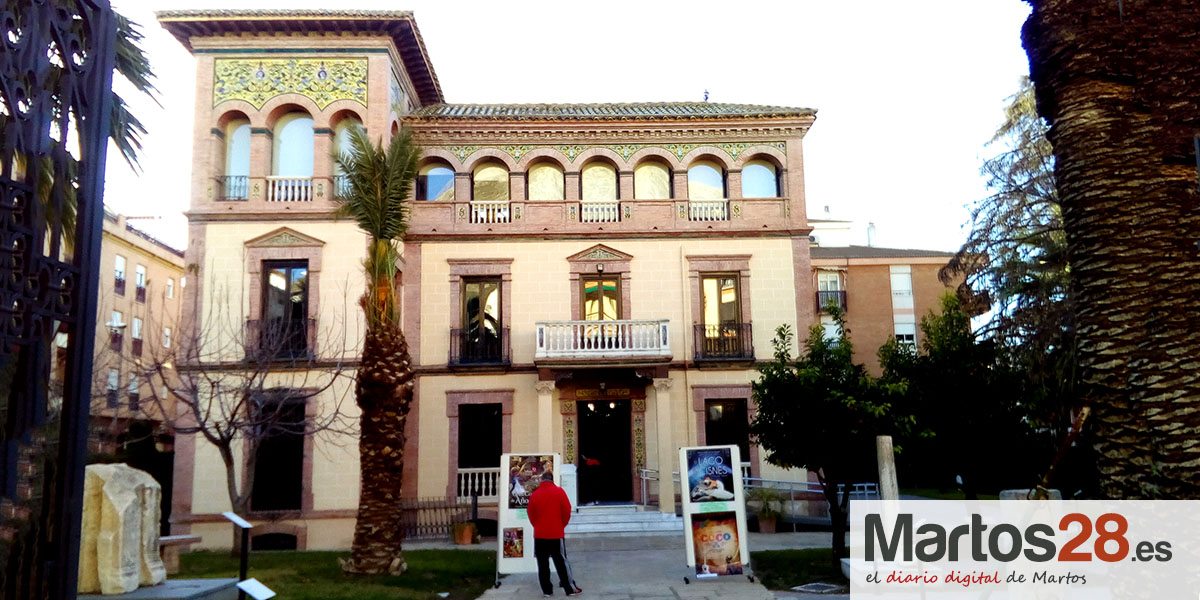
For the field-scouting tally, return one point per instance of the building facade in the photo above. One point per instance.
(594, 280)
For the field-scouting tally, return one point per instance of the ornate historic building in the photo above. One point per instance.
(591, 279)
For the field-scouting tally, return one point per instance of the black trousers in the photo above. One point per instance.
(545, 551)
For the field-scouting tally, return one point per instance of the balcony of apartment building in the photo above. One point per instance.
(730, 341)
(280, 339)
(285, 167)
(480, 347)
(602, 333)
(830, 291)
(603, 195)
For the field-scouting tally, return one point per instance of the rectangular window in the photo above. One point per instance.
(481, 336)
(118, 319)
(136, 330)
(830, 328)
(719, 298)
(134, 393)
(829, 281)
(140, 276)
(119, 267)
(114, 382)
(726, 422)
(166, 337)
(722, 333)
(283, 329)
(480, 436)
(601, 298)
(170, 288)
(902, 291)
(279, 462)
(905, 327)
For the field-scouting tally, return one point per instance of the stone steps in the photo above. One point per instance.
(622, 521)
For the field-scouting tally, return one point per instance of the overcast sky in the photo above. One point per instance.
(907, 93)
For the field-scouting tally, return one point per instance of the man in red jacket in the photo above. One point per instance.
(549, 511)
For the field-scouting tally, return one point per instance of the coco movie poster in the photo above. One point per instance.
(716, 544)
(710, 475)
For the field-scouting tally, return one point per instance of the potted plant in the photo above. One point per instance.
(768, 511)
(465, 533)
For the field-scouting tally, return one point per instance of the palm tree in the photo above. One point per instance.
(1119, 85)
(376, 197)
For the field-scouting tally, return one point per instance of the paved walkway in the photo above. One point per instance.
(653, 568)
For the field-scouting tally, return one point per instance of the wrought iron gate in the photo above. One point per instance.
(55, 79)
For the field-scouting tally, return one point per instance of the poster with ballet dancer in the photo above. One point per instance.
(524, 476)
(710, 474)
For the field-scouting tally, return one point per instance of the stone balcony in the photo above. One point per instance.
(575, 217)
(625, 341)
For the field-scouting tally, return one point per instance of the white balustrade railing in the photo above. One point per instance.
(746, 471)
(600, 339)
(289, 189)
(599, 211)
(484, 482)
(490, 211)
(708, 210)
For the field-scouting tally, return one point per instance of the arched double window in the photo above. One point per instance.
(760, 180)
(706, 181)
(545, 181)
(435, 182)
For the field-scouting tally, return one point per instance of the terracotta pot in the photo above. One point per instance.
(766, 525)
(464, 534)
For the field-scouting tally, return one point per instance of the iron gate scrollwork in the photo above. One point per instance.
(56, 72)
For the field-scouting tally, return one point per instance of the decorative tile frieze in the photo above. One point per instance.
(569, 440)
(639, 441)
(734, 149)
(322, 80)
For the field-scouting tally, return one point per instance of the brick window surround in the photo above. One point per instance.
(611, 262)
(702, 393)
(735, 264)
(457, 398)
(284, 244)
(480, 267)
(311, 412)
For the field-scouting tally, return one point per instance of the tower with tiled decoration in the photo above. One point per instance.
(597, 280)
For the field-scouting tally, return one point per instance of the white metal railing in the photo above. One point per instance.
(708, 210)
(484, 482)
(647, 476)
(599, 211)
(598, 339)
(746, 472)
(289, 189)
(490, 211)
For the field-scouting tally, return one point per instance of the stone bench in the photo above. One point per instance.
(168, 547)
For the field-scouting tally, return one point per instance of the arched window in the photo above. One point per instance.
(706, 181)
(545, 181)
(651, 181)
(293, 148)
(490, 182)
(435, 181)
(599, 181)
(759, 180)
(237, 148)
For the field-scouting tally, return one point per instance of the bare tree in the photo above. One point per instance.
(239, 382)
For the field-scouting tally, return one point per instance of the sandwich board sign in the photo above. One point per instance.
(714, 511)
(520, 475)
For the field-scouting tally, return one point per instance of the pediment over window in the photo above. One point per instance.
(284, 237)
(600, 253)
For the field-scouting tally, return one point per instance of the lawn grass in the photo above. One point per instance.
(782, 569)
(937, 494)
(465, 574)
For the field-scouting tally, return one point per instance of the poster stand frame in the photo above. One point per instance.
(514, 517)
(735, 505)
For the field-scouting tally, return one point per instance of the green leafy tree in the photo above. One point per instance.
(967, 404)
(379, 182)
(821, 412)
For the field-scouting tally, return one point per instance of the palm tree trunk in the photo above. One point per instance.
(384, 393)
(1119, 81)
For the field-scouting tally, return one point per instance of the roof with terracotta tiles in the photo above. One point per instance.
(603, 112)
(399, 25)
(875, 252)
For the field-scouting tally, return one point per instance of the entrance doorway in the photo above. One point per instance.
(605, 462)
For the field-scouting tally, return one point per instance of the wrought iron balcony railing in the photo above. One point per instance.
(479, 347)
(836, 297)
(727, 341)
(232, 188)
(140, 294)
(119, 286)
(135, 347)
(115, 338)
